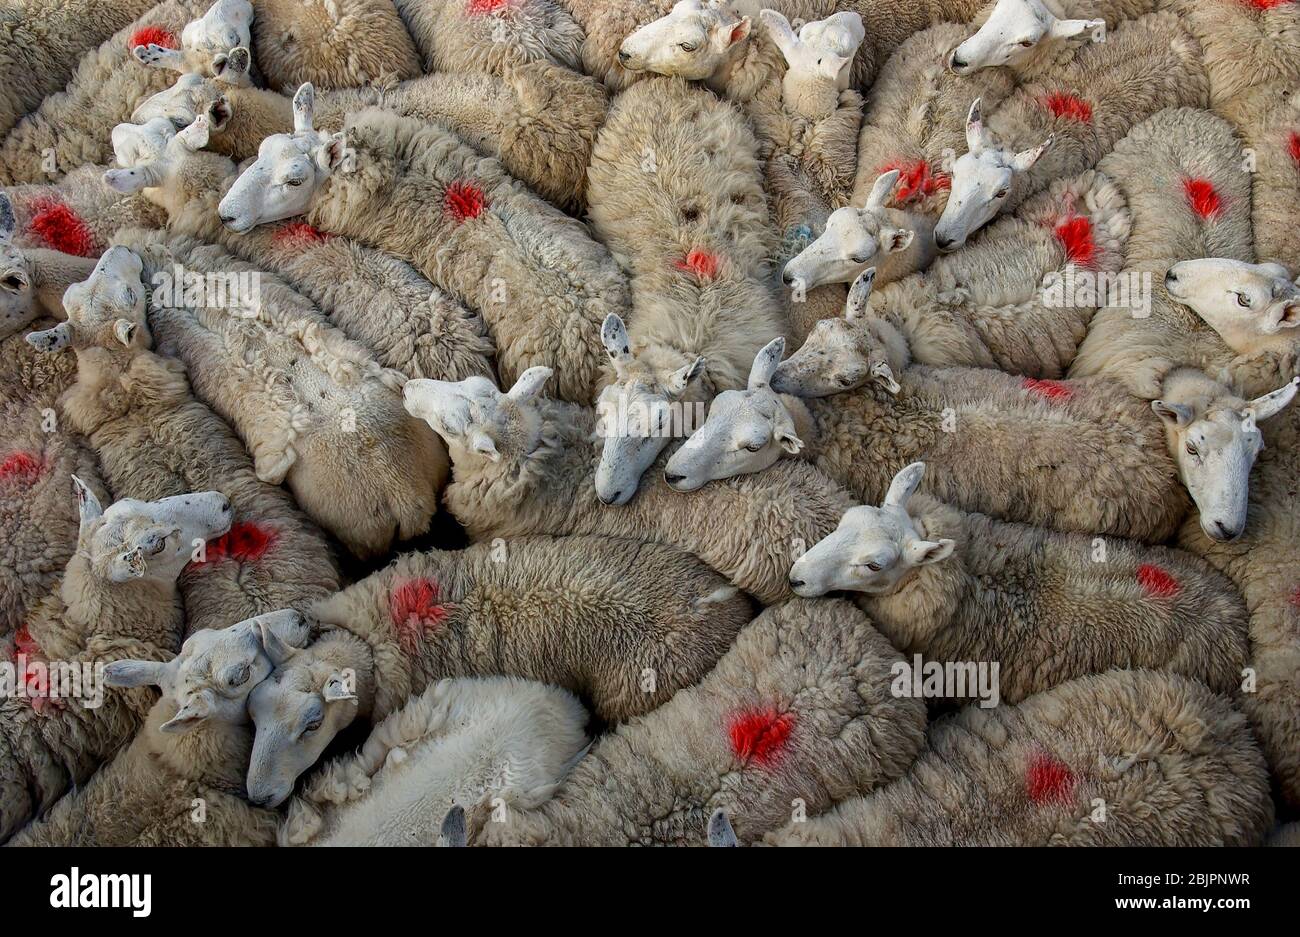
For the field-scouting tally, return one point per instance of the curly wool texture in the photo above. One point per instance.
(489, 35)
(314, 408)
(332, 43)
(542, 283)
(75, 123)
(92, 207)
(1245, 44)
(799, 708)
(1174, 764)
(546, 485)
(590, 614)
(1049, 609)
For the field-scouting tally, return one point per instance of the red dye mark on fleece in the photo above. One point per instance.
(1048, 390)
(464, 200)
(1294, 597)
(915, 180)
(298, 234)
(761, 735)
(245, 542)
(36, 676)
(415, 610)
(1203, 197)
(482, 7)
(1156, 582)
(152, 35)
(1266, 4)
(1293, 145)
(1048, 781)
(1075, 235)
(701, 263)
(1069, 106)
(59, 228)
(21, 467)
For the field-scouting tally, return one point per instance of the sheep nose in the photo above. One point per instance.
(796, 583)
(787, 277)
(942, 243)
(227, 220)
(612, 499)
(225, 505)
(623, 57)
(673, 479)
(1171, 277)
(1225, 532)
(956, 63)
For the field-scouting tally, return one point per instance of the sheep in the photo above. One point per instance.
(374, 298)
(561, 610)
(1245, 45)
(206, 42)
(32, 279)
(72, 127)
(541, 282)
(1124, 758)
(695, 238)
(314, 408)
(1064, 122)
(1048, 607)
(43, 41)
(155, 440)
(818, 59)
(524, 464)
(1083, 457)
(796, 716)
(118, 595)
(500, 739)
(489, 35)
(334, 44)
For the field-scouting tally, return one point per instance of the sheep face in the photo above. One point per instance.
(746, 431)
(1252, 306)
(106, 311)
(1215, 447)
(873, 550)
(635, 415)
(693, 41)
(981, 181)
(477, 421)
(17, 298)
(134, 144)
(822, 50)
(156, 169)
(222, 28)
(1012, 32)
(185, 100)
(854, 239)
(147, 539)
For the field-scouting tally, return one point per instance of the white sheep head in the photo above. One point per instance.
(135, 144)
(151, 540)
(873, 549)
(290, 168)
(477, 421)
(981, 181)
(233, 68)
(840, 354)
(819, 58)
(155, 171)
(216, 669)
(18, 305)
(854, 239)
(635, 414)
(1252, 306)
(224, 27)
(1214, 439)
(746, 431)
(190, 96)
(693, 41)
(1013, 30)
(105, 311)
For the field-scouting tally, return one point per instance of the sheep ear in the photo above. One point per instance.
(276, 648)
(304, 104)
(976, 138)
(338, 688)
(232, 68)
(1261, 408)
(1176, 414)
(613, 335)
(780, 31)
(1068, 29)
(720, 831)
(88, 507)
(1025, 159)
(194, 137)
(7, 220)
(132, 673)
(784, 434)
(885, 375)
(724, 35)
(127, 566)
(530, 383)
(335, 153)
(883, 189)
(189, 716)
(765, 363)
(680, 379)
(480, 442)
(51, 340)
(893, 240)
(923, 552)
(124, 332)
(904, 485)
(859, 294)
(452, 832)
(1283, 315)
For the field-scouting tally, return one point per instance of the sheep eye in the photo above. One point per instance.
(312, 726)
(874, 567)
(1243, 300)
(1001, 193)
(687, 47)
(1025, 43)
(293, 182)
(240, 676)
(755, 448)
(1191, 450)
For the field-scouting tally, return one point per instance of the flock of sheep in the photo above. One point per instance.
(978, 318)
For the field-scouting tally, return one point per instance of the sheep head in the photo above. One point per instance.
(225, 26)
(289, 170)
(190, 96)
(746, 431)
(477, 421)
(135, 144)
(154, 169)
(1213, 437)
(18, 304)
(151, 540)
(873, 549)
(819, 58)
(106, 311)
(981, 181)
(1253, 307)
(695, 40)
(635, 413)
(233, 67)
(1012, 33)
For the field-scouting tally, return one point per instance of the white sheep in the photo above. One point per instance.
(489, 35)
(1245, 45)
(818, 59)
(206, 43)
(33, 278)
(798, 715)
(1081, 764)
(622, 623)
(541, 282)
(524, 464)
(1048, 607)
(502, 741)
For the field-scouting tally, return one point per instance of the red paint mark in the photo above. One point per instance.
(59, 228)
(1075, 235)
(30, 661)
(701, 263)
(1048, 780)
(1203, 197)
(760, 736)
(1294, 597)
(1049, 390)
(152, 35)
(1069, 106)
(245, 542)
(464, 200)
(415, 610)
(1156, 582)
(21, 467)
(298, 234)
(482, 7)
(1293, 145)
(916, 180)
(1266, 4)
